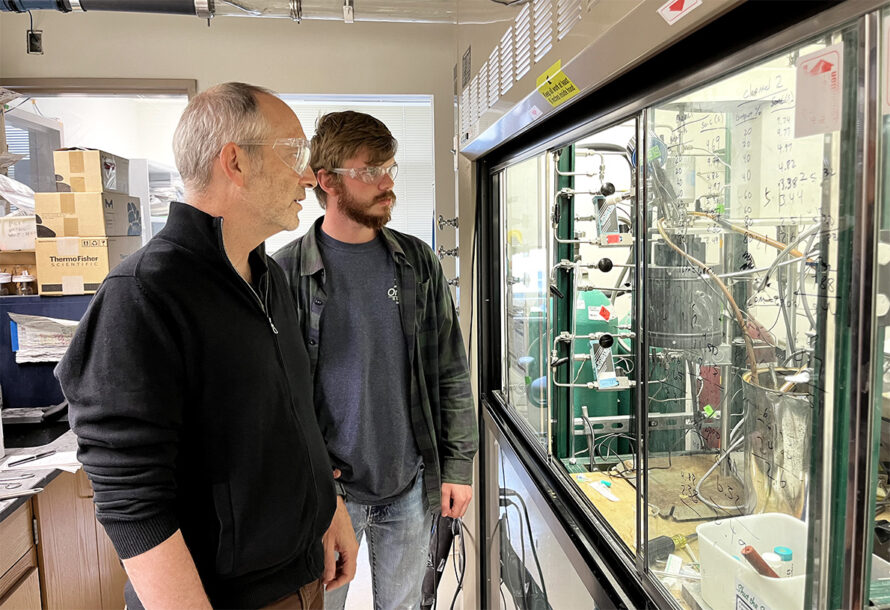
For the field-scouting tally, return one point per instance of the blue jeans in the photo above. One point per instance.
(398, 543)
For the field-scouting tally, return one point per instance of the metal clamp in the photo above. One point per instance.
(296, 10)
(442, 252)
(442, 222)
(455, 281)
(203, 9)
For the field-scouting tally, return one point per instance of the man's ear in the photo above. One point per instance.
(234, 163)
(327, 181)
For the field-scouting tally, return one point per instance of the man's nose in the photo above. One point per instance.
(307, 178)
(386, 183)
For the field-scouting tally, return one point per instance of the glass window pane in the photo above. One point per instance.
(593, 267)
(525, 287)
(746, 271)
(878, 591)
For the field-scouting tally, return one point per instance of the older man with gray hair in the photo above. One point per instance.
(193, 412)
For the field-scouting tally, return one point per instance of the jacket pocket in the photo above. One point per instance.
(225, 551)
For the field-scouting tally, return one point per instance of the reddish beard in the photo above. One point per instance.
(359, 211)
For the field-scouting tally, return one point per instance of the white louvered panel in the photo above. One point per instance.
(568, 13)
(465, 111)
(471, 107)
(483, 88)
(523, 42)
(542, 22)
(506, 50)
(474, 100)
(523, 61)
(494, 77)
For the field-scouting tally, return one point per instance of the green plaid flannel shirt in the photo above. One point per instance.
(443, 415)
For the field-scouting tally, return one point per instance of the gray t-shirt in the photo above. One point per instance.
(362, 382)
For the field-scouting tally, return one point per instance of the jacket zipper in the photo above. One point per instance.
(293, 407)
(265, 309)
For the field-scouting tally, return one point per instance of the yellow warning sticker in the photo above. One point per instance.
(555, 86)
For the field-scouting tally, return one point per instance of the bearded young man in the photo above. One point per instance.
(392, 384)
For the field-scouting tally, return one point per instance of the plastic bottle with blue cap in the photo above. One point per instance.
(787, 557)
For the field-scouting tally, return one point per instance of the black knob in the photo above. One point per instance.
(604, 265)
(606, 341)
(607, 189)
(554, 291)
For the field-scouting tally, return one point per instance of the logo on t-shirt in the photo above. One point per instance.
(393, 293)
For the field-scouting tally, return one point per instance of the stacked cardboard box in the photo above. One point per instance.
(89, 226)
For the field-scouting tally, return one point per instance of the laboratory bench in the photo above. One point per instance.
(53, 552)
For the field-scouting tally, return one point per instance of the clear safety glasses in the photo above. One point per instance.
(369, 175)
(294, 152)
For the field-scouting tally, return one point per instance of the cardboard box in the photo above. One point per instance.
(90, 214)
(83, 170)
(17, 232)
(77, 265)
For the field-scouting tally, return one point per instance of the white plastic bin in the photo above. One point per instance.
(728, 581)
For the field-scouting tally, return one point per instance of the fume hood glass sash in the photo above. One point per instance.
(748, 199)
(525, 256)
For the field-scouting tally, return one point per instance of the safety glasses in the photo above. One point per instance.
(369, 175)
(293, 152)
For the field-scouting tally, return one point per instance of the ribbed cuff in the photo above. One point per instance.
(131, 538)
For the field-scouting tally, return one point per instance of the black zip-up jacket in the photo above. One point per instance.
(191, 399)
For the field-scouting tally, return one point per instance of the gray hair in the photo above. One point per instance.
(224, 113)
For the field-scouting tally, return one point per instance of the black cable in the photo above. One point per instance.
(32, 20)
(531, 539)
(523, 584)
(19, 104)
(463, 556)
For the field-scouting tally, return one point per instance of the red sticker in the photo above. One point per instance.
(605, 313)
(613, 239)
(674, 10)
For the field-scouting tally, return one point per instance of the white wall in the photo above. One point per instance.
(314, 57)
(311, 57)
